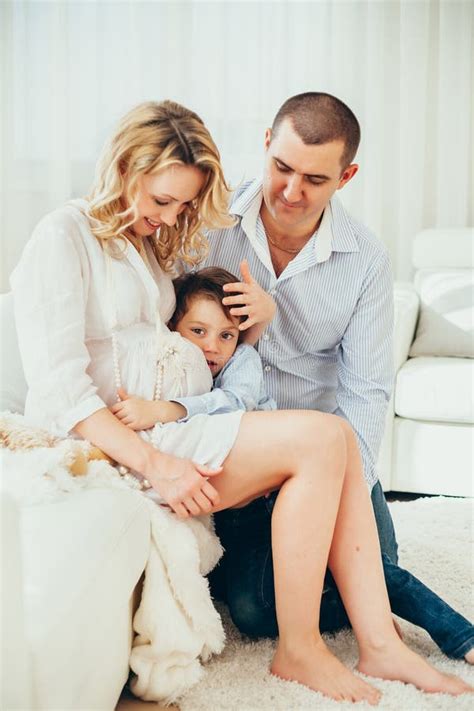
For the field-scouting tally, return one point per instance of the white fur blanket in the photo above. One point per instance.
(176, 622)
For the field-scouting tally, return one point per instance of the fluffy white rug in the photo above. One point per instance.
(435, 537)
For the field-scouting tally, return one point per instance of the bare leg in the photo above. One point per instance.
(305, 453)
(355, 563)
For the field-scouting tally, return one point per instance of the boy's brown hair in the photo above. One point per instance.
(206, 283)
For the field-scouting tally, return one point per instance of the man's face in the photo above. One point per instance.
(299, 180)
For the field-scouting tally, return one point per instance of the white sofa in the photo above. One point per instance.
(429, 439)
(69, 572)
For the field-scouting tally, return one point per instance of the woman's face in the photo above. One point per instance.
(165, 195)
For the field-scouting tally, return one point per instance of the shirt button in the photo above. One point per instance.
(267, 368)
(273, 292)
(266, 337)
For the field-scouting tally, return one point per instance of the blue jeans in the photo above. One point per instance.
(244, 579)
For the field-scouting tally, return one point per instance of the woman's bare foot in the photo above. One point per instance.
(469, 656)
(397, 662)
(398, 629)
(313, 665)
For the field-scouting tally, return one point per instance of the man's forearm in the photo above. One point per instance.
(368, 424)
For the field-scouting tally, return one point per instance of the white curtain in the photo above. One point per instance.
(70, 69)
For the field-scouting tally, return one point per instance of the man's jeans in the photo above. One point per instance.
(244, 579)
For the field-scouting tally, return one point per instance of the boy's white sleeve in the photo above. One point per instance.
(240, 385)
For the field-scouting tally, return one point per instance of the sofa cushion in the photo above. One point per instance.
(432, 458)
(443, 248)
(12, 379)
(446, 323)
(406, 303)
(436, 390)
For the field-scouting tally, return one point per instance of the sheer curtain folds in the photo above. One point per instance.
(70, 69)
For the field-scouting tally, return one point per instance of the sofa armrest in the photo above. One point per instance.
(407, 304)
(15, 668)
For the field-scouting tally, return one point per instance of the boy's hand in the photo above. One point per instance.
(140, 414)
(169, 411)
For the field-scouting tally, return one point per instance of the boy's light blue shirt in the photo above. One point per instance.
(238, 386)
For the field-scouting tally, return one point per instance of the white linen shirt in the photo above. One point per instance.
(329, 346)
(63, 317)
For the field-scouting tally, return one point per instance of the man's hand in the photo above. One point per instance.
(252, 301)
(140, 414)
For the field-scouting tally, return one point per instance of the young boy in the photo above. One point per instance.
(236, 368)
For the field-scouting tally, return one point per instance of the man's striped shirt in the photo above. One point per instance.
(329, 346)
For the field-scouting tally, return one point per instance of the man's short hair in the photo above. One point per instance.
(321, 118)
(205, 283)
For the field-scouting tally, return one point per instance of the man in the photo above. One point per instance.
(328, 348)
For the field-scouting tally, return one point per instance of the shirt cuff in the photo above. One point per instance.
(193, 406)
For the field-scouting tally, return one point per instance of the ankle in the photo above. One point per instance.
(296, 646)
(378, 644)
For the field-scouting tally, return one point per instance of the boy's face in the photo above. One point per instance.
(206, 324)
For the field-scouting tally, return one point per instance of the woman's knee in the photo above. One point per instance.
(347, 431)
(343, 427)
(323, 432)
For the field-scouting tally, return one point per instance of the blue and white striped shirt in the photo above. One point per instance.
(238, 386)
(329, 346)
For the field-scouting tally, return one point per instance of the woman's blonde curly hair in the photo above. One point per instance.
(151, 137)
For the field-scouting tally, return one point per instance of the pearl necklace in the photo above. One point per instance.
(159, 368)
(159, 365)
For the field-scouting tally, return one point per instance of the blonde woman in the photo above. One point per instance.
(93, 293)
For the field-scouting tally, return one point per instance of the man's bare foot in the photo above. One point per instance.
(313, 665)
(397, 662)
(469, 656)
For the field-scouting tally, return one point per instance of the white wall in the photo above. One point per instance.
(70, 69)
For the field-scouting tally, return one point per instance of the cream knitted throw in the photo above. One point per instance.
(176, 623)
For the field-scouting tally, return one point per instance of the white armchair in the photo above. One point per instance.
(428, 441)
(69, 571)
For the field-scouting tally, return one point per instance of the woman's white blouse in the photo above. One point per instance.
(63, 316)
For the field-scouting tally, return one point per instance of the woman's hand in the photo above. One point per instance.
(251, 301)
(140, 414)
(183, 485)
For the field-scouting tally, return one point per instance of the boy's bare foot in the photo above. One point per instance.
(397, 662)
(469, 656)
(313, 665)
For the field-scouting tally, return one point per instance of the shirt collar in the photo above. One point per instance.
(335, 233)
